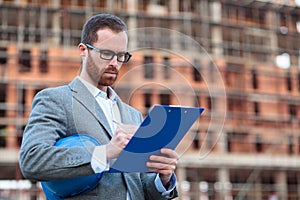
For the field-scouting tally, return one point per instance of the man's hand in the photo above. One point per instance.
(119, 140)
(164, 164)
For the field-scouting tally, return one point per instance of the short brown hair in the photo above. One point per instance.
(90, 28)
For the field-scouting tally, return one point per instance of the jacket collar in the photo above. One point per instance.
(87, 100)
(85, 97)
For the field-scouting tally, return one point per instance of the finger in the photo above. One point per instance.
(120, 139)
(163, 173)
(161, 167)
(170, 153)
(163, 159)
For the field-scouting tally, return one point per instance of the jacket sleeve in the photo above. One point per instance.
(39, 159)
(151, 193)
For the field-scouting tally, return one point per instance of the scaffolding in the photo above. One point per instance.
(253, 43)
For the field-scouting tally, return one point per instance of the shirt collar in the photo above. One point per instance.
(97, 92)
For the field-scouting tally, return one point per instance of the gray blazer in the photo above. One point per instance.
(66, 110)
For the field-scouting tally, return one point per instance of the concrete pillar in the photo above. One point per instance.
(43, 27)
(223, 145)
(181, 175)
(216, 12)
(258, 191)
(271, 22)
(174, 10)
(203, 188)
(110, 5)
(11, 142)
(11, 137)
(89, 8)
(224, 185)
(174, 7)
(132, 6)
(12, 62)
(56, 24)
(298, 185)
(30, 92)
(155, 97)
(281, 185)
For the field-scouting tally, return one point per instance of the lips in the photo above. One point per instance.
(111, 72)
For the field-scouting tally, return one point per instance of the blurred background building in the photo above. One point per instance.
(247, 143)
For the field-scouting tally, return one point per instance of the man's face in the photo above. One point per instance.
(105, 72)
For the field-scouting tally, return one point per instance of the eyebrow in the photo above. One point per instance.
(92, 47)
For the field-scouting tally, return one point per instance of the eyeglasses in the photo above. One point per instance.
(109, 55)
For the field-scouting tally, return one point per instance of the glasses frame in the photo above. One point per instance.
(127, 55)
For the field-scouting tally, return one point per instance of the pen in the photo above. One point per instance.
(118, 123)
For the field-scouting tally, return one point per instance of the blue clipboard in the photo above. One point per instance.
(164, 126)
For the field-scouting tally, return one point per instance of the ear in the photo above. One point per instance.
(82, 50)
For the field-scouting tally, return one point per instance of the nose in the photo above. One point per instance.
(114, 62)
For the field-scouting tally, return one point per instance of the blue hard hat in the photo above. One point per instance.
(59, 189)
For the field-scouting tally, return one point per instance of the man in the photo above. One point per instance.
(88, 105)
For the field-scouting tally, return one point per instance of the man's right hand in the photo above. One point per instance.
(119, 140)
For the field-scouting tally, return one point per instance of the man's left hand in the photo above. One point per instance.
(164, 164)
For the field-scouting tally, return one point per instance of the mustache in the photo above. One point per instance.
(112, 69)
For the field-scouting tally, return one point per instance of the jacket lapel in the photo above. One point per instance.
(87, 100)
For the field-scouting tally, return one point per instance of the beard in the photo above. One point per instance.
(101, 75)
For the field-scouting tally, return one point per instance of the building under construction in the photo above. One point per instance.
(240, 60)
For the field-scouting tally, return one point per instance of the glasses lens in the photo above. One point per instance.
(122, 57)
(126, 57)
(107, 55)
